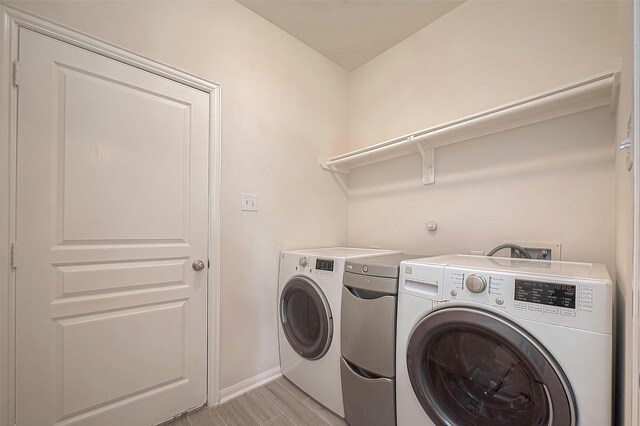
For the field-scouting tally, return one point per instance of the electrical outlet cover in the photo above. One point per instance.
(249, 202)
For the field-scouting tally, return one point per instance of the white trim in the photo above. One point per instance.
(635, 292)
(8, 103)
(213, 273)
(238, 389)
(11, 20)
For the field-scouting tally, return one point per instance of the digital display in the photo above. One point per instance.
(562, 295)
(324, 264)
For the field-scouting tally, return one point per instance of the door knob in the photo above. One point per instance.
(198, 265)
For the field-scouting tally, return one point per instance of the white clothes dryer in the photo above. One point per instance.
(309, 303)
(500, 341)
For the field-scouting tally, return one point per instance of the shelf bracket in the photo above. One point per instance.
(428, 163)
(323, 163)
(615, 88)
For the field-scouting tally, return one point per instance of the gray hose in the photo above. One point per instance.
(519, 249)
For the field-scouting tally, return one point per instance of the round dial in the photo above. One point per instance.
(303, 261)
(475, 283)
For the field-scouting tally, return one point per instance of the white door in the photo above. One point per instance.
(111, 212)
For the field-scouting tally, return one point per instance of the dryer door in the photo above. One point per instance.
(306, 318)
(471, 367)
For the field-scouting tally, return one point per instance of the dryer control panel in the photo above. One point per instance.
(323, 267)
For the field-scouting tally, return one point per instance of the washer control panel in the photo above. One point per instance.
(557, 300)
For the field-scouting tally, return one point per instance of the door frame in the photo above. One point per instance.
(635, 292)
(11, 20)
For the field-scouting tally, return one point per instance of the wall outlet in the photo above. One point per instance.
(249, 202)
(537, 250)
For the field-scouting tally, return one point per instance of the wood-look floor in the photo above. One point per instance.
(278, 403)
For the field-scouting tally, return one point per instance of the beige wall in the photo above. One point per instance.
(480, 55)
(283, 106)
(624, 217)
(550, 182)
(560, 181)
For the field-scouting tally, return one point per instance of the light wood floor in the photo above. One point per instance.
(278, 403)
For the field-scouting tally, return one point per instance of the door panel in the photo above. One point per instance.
(109, 165)
(85, 381)
(112, 209)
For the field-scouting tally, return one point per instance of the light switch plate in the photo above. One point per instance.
(249, 202)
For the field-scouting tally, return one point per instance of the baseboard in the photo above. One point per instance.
(231, 392)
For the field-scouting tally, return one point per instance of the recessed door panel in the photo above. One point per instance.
(112, 209)
(110, 164)
(98, 351)
(77, 280)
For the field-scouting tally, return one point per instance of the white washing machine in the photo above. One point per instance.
(498, 341)
(309, 302)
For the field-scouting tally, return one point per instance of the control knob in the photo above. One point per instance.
(475, 283)
(303, 261)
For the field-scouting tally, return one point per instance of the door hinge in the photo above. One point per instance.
(16, 73)
(14, 255)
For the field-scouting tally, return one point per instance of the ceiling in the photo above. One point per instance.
(351, 32)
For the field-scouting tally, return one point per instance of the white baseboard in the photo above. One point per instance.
(238, 389)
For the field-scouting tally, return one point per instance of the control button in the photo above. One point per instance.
(586, 291)
(585, 287)
(548, 310)
(476, 283)
(454, 293)
(588, 305)
(535, 308)
(303, 261)
(582, 308)
(365, 268)
(586, 296)
(349, 267)
(568, 313)
(500, 301)
(519, 305)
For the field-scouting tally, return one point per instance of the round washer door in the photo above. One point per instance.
(306, 318)
(471, 367)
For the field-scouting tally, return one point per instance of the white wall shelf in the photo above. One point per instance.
(596, 91)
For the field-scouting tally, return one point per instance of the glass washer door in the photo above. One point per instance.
(305, 317)
(471, 367)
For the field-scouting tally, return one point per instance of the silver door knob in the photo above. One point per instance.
(198, 265)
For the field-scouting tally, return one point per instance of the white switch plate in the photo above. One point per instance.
(249, 202)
